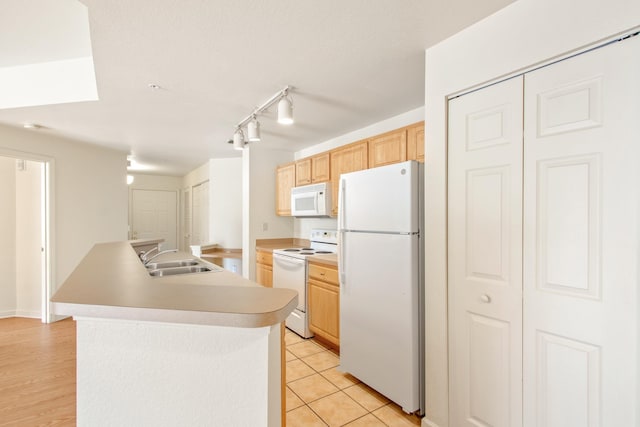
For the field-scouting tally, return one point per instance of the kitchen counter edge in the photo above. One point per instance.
(111, 282)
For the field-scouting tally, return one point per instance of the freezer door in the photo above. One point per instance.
(381, 199)
(379, 314)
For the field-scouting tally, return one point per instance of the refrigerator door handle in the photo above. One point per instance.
(341, 251)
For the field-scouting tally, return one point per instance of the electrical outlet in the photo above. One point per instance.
(265, 226)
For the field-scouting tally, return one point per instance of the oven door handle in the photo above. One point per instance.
(288, 261)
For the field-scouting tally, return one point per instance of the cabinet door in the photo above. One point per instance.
(324, 310)
(388, 148)
(264, 275)
(320, 168)
(349, 158)
(303, 172)
(485, 256)
(415, 142)
(285, 181)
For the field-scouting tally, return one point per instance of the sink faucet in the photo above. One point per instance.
(143, 255)
(146, 260)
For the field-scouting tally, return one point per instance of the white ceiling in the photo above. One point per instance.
(352, 63)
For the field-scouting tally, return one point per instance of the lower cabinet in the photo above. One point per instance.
(324, 302)
(264, 268)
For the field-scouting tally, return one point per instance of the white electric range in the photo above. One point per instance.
(290, 271)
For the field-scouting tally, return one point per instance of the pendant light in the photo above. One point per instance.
(285, 110)
(238, 139)
(253, 130)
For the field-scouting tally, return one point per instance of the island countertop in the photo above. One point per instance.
(111, 282)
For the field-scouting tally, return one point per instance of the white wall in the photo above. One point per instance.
(259, 202)
(225, 202)
(526, 33)
(196, 176)
(89, 193)
(156, 182)
(7, 237)
(28, 240)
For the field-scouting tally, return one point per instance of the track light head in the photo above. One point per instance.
(238, 139)
(253, 130)
(285, 110)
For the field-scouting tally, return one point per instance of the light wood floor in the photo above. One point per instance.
(37, 373)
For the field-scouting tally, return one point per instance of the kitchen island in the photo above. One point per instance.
(190, 349)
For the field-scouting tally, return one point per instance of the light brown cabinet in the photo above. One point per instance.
(303, 171)
(388, 148)
(324, 302)
(320, 168)
(285, 181)
(348, 158)
(314, 169)
(415, 142)
(264, 268)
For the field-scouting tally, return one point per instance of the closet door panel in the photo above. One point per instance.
(581, 214)
(485, 256)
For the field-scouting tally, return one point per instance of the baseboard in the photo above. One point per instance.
(57, 317)
(7, 313)
(29, 314)
(426, 423)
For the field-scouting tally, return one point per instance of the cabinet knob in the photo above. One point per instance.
(485, 298)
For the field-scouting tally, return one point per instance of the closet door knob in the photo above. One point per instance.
(485, 298)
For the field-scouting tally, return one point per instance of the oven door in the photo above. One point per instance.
(291, 273)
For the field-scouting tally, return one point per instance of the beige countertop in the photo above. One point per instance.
(271, 244)
(329, 259)
(111, 282)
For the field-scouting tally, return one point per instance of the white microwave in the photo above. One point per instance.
(311, 200)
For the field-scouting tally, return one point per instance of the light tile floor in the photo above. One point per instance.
(320, 395)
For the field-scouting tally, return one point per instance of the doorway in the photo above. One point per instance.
(26, 260)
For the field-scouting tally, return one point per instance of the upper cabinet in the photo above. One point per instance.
(388, 148)
(303, 172)
(320, 168)
(348, 158)
(314, 169)
(415, 142)
(285, 181)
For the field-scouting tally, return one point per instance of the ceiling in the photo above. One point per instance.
(351, 63)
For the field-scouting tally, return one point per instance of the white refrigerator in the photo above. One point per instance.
(380, 261)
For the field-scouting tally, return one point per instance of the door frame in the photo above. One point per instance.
(47, 234)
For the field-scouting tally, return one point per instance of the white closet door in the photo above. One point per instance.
(485, 256)
(581, 237)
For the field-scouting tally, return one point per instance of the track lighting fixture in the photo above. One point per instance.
(253, 130)
(238, 139)
(285, 110)
(285, 116)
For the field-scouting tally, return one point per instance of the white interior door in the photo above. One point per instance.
(485, 256)
(581, 237)
(154, 216)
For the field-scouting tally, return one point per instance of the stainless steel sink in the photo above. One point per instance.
(171, 264)
(171, 271)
